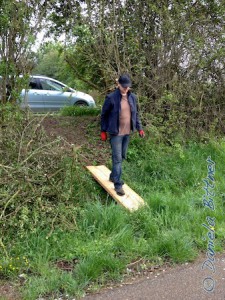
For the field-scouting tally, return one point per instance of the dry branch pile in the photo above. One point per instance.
(35, 188)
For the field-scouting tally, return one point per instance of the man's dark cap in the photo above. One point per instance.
(125, 80)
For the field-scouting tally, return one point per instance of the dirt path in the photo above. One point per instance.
(83, 133)
(184, 282)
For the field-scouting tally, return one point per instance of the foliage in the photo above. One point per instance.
(19, 24)
(52, 212)
(50, 62)
(73, 235)
(162, 53)
(11, 266)
(174, 53)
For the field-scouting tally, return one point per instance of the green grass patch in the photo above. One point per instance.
(80, 111)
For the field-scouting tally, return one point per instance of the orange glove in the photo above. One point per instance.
(141, 133)
(103, 136)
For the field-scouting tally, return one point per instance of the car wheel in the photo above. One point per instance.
(80, 103)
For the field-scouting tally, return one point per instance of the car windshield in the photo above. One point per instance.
(51, 85)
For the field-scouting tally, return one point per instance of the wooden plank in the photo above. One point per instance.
(130, 200)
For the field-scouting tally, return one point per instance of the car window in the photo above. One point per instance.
(51, 85)
(33, 84)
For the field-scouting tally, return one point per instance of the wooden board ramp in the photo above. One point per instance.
(130, 200)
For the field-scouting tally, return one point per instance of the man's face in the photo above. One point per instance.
(123, 90)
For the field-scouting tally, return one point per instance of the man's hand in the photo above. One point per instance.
(141, 133)
(103, 136)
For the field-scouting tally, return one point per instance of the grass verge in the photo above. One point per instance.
(80, 111)
(62, 235)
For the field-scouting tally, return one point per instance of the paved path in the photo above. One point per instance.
(184, 282)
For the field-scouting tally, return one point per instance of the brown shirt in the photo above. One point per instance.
(125, 116)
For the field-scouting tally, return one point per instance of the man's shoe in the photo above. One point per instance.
(120, 191)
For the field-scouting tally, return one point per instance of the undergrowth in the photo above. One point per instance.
(63, 235)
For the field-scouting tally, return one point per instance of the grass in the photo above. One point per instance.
(80, 111)
(83, 227)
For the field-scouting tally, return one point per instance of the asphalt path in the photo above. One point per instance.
(201, 280)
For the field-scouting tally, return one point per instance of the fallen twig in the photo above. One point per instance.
(7, 203)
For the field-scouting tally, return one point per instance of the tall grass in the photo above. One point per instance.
(99, 238)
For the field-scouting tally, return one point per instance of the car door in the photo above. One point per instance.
(54, 94)
(33, 96)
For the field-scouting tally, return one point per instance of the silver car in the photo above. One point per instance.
(46, 94)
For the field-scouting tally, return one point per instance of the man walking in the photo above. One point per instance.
(119, 118)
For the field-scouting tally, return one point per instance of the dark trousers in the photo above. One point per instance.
(119, 145)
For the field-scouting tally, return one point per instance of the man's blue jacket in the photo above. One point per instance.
(111, 112)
